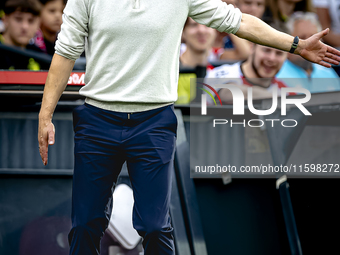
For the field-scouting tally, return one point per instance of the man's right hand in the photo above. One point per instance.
(45, 137)
(56, 82)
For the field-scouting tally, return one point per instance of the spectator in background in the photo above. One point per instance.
(236, 48)
(21, 22)
(279, 11)
(199, 40)
(304, 25)
(2, 26)
(329, 17)
(252, 7)
(228, 46)
(258, 71)
(51, 19)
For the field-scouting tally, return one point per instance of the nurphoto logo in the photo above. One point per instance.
(238, 105)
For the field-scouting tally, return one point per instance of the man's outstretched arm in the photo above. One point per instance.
(56, 82)
(312, 49)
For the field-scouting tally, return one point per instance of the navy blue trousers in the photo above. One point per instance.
(104, 140)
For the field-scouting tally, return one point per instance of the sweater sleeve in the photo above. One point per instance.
(216, 14)
(71, 39)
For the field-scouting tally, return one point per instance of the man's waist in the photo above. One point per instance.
(128, 107)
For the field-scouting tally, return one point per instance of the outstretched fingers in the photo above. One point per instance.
(332, 56)
(333, 52)
(331, 61)
(325, 64)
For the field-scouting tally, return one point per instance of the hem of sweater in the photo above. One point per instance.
(129, 107)
(235, 30)
(227, 29)
(65, 55)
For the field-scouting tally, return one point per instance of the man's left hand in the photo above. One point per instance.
(315, 51)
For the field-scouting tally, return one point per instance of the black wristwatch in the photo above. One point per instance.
(294, 45)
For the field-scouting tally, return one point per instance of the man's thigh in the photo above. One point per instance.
(98, 161)
(150, 152)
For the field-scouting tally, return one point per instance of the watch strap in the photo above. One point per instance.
(294, 45)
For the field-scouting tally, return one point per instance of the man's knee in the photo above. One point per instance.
(94, 229)
(154, 239)
(154, 229)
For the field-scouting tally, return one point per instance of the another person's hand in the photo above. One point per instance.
(315, 51)
(46, 133)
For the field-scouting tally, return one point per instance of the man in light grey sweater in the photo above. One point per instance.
(132, 50)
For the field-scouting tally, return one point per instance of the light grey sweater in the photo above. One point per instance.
(132, 46)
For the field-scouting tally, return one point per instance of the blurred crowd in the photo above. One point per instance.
(29, 29)
(245, 64)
